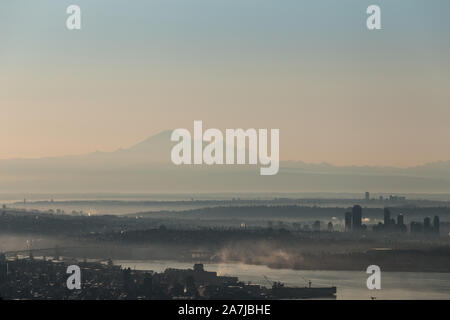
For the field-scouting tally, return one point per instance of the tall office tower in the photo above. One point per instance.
(330, 226)
(367, 196)
(436, 224)
(348, 221)
(387, 217)
(427, 224)
(400, 220)
(356, 217)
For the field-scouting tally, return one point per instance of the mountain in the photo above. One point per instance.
(156, 148)
(146, 167)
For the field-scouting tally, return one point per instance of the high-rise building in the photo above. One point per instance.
(400, 220)
(330, 226)
(367, 196)
(348, 221)
(387, 217)
(427, 224)
(356, 217)
(436, 225)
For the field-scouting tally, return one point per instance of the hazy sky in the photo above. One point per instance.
(338, 92)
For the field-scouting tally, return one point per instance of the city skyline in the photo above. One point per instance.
(224, 158)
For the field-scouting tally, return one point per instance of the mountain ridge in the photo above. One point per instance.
(146, 167)
(162, 139)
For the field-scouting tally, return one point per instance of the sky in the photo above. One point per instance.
(338, 92)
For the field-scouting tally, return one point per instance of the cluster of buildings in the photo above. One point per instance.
(381, 198)
(353, 219)
(426, 227)
(353, 222)
(390, 224)
(31, 278)
(316, 226)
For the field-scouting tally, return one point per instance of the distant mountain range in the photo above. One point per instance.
(146, 167)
